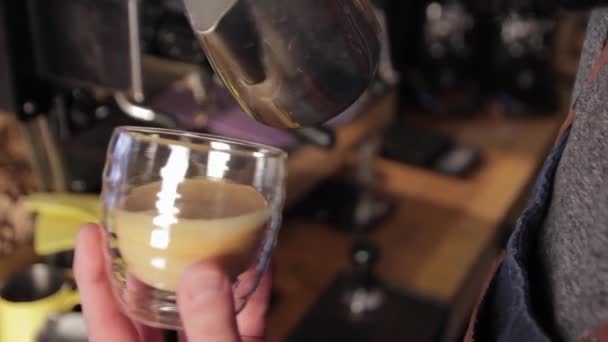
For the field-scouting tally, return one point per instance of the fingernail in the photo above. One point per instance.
(203, 279)
(86, 226)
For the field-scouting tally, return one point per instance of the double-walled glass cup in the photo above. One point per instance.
(171, 199)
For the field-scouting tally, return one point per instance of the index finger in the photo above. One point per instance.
(105, 320)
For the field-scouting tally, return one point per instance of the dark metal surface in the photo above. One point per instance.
(69, 327)
(21, 90)
(7, 97)
(88, 43)
(37, 282)
(61, 260)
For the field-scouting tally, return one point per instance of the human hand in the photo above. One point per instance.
(207, 312)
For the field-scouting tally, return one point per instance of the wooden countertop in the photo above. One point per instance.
(444, 234)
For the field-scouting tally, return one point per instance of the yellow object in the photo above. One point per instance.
(22, 321)
(59, 216)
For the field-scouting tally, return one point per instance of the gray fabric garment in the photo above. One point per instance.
(574, 241)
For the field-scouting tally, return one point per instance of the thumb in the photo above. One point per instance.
(205, 304)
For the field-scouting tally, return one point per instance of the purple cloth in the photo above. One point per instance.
(229, 120)
(180, 104)
(234, 123)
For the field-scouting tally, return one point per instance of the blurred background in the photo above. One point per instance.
(394, 213)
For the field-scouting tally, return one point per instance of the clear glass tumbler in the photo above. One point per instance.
(171, 199)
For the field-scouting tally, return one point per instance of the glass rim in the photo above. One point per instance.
(245, 146)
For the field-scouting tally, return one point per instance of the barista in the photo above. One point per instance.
(549, 286)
